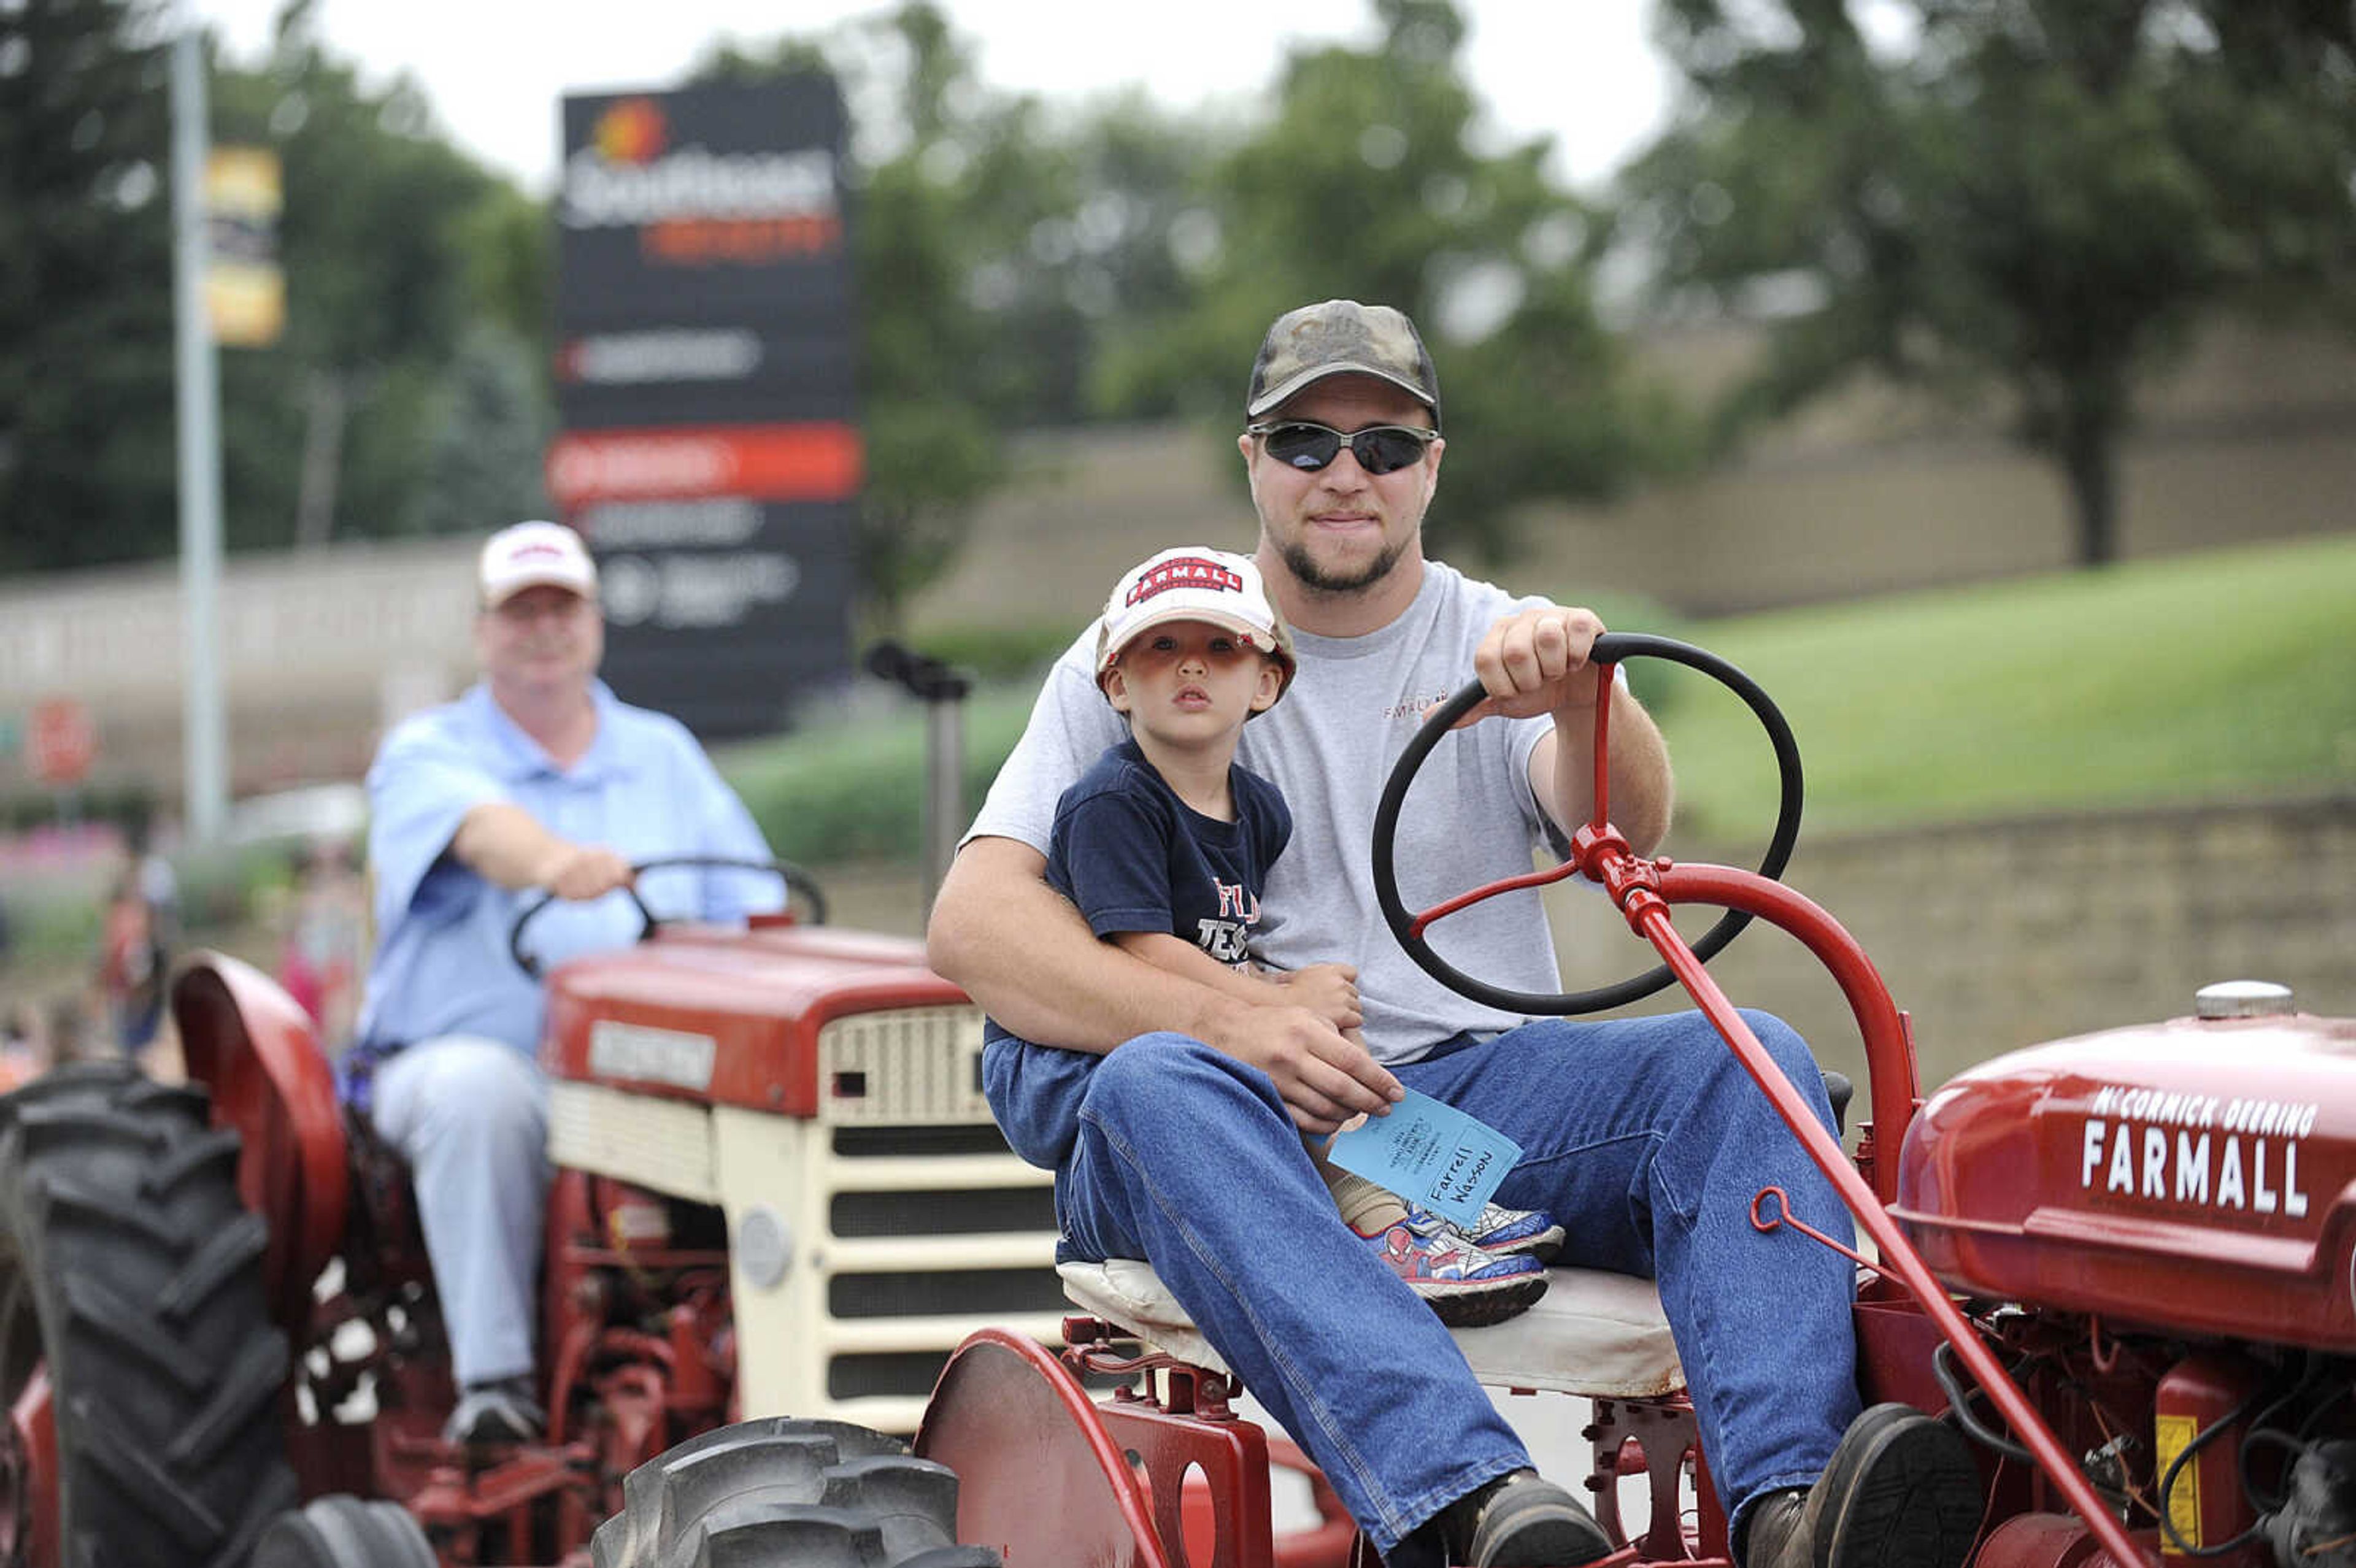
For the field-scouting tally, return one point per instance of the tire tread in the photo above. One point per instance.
(142, 1269)
(813, 1493)
(198, 1157)
(250, 1387)
(221, 1257)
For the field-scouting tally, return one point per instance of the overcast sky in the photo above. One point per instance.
(1581, 71)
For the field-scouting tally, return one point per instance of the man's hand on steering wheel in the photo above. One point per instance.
(1323, 1078)
(583, 871)
(1534, 662)
(578, 872)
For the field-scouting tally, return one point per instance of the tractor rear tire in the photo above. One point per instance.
(795, 1494)
(130, 1273)
(344, 1531)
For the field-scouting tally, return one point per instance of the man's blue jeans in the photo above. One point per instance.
(1643, 1137)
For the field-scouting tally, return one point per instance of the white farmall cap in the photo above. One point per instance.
(529, 555)
(1194, 582)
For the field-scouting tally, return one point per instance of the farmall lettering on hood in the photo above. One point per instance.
(694, 206)
(2085, 1173)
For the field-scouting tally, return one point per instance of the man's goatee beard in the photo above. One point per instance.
(1306, 570)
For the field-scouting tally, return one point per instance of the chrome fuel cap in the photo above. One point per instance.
(2242, 1000)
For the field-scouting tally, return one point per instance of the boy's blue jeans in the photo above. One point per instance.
(1643, 1137)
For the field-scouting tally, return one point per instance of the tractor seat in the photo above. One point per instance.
(1597, 1334)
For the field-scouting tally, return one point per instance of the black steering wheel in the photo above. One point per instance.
(1610, 648)
(798, 883)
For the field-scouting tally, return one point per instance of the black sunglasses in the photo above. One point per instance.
(1379, 449)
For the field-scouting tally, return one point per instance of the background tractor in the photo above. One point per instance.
(778, 1189)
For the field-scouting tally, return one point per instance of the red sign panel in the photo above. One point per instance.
(60, 744)
(819, 461)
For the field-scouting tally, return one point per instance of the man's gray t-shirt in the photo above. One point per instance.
(1329, 746)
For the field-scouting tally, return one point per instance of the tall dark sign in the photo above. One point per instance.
(705, 378)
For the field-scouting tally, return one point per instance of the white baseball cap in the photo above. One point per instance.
(1194, 582)
(529, 555)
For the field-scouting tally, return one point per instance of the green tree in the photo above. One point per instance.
(412, 288)
(416, 295)
(2040, 196)
(87, 452)
(1368, 182)
(485, 436)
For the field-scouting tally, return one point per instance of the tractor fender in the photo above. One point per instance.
(252, 1044)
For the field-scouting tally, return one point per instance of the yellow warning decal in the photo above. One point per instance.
(2171, 1434)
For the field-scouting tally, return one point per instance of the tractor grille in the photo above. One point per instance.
(874, 1143)
(908, 1380)
(880, 1234)
(932, 1227)
(904, 1376)
(943, 1211)
(912, 1064)
(992, 1293)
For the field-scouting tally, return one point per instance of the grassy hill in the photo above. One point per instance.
(2231, 673)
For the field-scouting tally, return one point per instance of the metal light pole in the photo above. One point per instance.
(205, 749)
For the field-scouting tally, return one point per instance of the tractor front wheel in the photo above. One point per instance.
(797, 1494)
(131, 1291)
(344, 1531)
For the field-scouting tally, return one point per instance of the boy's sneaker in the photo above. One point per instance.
(1501, 1231)
(1465, 1286)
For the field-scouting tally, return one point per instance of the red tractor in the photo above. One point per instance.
(2122, 1265)
(778, 1189)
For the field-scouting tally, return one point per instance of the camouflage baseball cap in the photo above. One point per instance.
(1338, 338)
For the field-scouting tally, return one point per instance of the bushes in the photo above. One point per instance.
(995, 654)
(853, 789)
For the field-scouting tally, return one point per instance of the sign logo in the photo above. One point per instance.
(632, 132)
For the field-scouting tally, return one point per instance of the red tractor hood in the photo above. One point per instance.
(728, 1016)
(2195, 1175)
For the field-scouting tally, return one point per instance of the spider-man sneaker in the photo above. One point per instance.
(1465, 1286)
(1502, 1231)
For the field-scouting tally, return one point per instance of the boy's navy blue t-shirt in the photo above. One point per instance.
(1131, 855)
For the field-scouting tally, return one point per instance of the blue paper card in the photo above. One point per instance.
(1428, 1153)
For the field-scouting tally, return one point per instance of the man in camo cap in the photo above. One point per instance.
(1338, 338)
(1172, 1114)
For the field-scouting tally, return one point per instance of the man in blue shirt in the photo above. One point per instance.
(538, 777)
